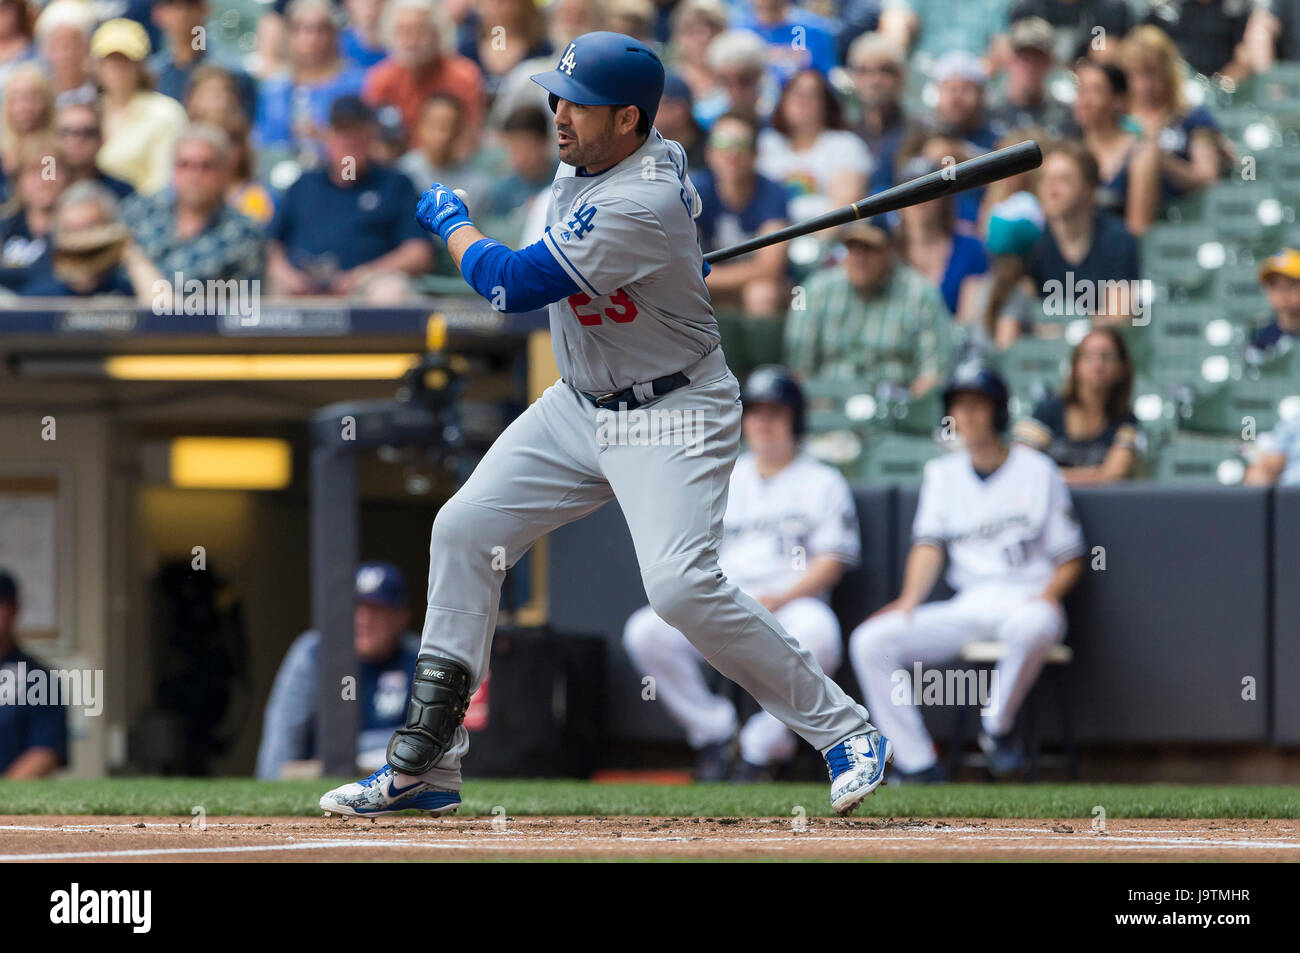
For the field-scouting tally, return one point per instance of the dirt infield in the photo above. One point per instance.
(260, 840)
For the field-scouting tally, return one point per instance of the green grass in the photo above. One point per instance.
(242, 796)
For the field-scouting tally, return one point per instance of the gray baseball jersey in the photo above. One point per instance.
(627, 237)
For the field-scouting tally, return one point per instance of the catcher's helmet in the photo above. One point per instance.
(606, 69)
(773, 384)
(980, 378)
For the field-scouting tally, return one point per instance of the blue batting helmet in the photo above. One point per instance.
(606, 69)
(980, 378)
(773, 384)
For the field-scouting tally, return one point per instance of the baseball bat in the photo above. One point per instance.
(970, 174)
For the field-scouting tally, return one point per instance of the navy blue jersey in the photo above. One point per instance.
(382, 691)
(320, 222)
(721, 226)
(26, 726)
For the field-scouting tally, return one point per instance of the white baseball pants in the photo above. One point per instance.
(885, 649)
(662, 652)
(554, 464)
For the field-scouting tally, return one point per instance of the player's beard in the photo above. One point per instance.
(584, 155)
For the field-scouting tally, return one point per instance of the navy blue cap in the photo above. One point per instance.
(381, 583)
(8, 588)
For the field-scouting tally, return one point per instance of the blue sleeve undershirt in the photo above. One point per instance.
(528, 279)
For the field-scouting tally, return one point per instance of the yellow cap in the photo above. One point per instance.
(120, 36)
(1286, 262)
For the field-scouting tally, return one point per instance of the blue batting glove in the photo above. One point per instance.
(441, 211)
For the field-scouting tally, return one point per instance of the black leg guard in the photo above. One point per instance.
(439, 700)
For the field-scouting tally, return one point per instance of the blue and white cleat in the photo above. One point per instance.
(857, 766)
(387, 792)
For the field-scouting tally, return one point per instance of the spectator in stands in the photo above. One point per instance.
(33, 738)
(173, 66)
(213, 98)
(26, 219)
(423, 62)
(872, 319)
(93, 254)
(1002, 304)
(568, 19)
(797, 39)
(1002, 515)
(28, 108)
(368, 210)
(1277, 456)
(293, 106)
(676, 120)
(738, 204)
(878, 69)
(63, 33)
(1129, 165)
(778, 494)
(361, 41)
(188, 231)
(1192, 149)
(959, 109)
(634, 18)
(446, 150)
(1085, 29)
(506, 32)
(17, 30)
(941, 147)
(1208, 33)
(1024, 99)
(695, 24)
(811, 151)
(140, 125)
(738, 59)
(1087, 261)
(386, 651)
(80, 129)
(1273, 34)
(1280, 276)
(929, 242)
(530, 159)
(1090, 431)
(931, 28)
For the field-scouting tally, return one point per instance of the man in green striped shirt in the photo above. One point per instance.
(872, 319)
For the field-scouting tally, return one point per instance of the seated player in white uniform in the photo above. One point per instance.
(790, 531)
(1003, 514)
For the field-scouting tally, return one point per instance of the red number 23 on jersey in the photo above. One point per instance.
(621, 310)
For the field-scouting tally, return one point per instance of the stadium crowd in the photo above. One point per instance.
(152, 147)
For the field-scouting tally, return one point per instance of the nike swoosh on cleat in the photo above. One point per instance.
(394, 791)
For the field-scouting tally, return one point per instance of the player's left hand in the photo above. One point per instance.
(441, 211)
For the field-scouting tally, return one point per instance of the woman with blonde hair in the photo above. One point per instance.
(140, 126)
(28, 109)
(1192, 148)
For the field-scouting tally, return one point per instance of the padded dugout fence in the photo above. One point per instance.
(1201, 590)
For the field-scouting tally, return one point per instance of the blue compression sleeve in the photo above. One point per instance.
(514, 281)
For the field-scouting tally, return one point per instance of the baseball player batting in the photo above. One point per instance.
(621, 269)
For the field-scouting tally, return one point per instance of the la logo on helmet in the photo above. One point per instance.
(568, 62)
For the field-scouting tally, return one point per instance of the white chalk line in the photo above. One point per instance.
(1111, 842)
